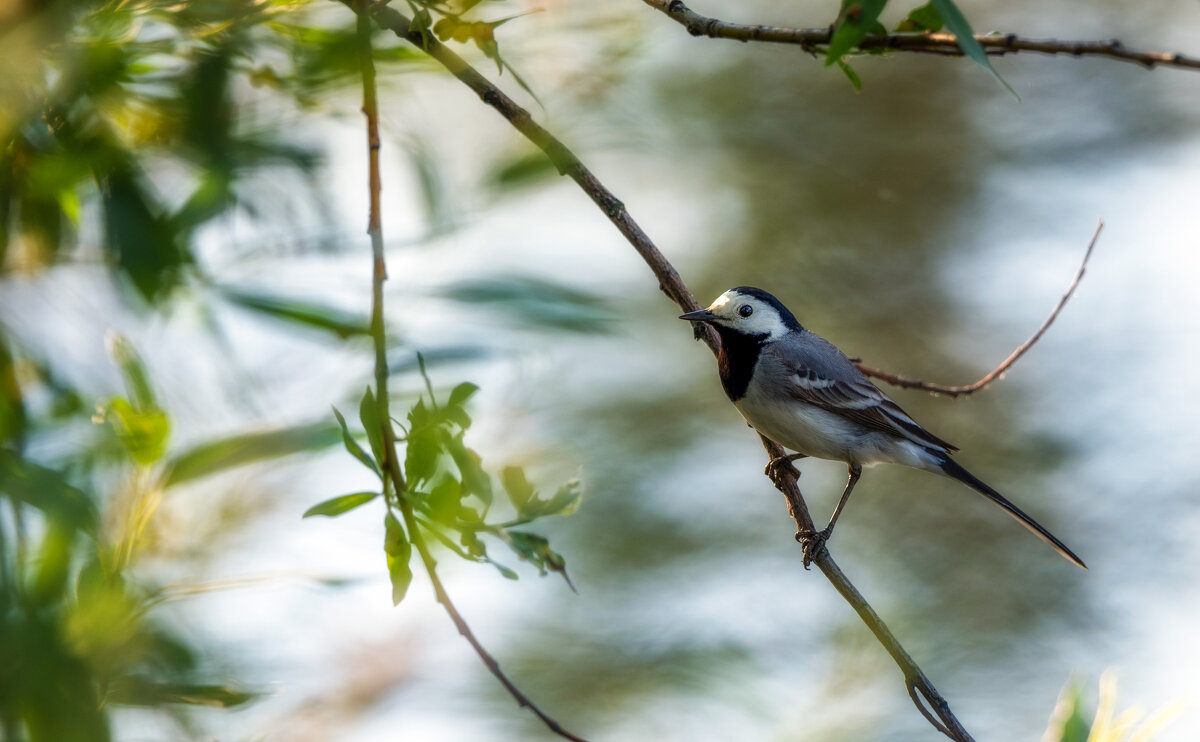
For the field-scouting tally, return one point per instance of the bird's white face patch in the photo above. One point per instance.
(748, 315)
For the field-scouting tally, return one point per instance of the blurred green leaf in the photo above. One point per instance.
(461, 393)
(138, 690)
(957, 23)
(519, 490)
(526, 169)
(399, 551)
(143, 434)
(342, 504)
(216, 456)
(300, 312)
(46, 490)
(856, 20)
(353, 447)
(475, 481)
(923, 18)
(133, 371)
(537, 303)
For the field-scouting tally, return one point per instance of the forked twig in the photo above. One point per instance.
(945, 44)
(392, 468)
(996, 373)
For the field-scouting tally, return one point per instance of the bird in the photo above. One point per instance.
(797, 389)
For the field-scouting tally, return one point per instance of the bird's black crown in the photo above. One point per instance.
(785, 314)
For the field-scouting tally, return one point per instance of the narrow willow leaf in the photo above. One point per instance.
(368, 413)
(342, 504)
(353, 447)
(958, 25)
(300, 312)
(398, 550)
(855, 80)
(216, 456)
(133, 371)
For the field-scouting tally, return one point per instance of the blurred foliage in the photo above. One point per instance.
(78, 631)
(1070, 723)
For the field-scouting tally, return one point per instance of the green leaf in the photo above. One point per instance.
(399, 551)
(299, 312)
(519, 490)
(856, 20)
(133, 371)
(143, 433)
(353, 447)
(442, 502)
(536, 550)
(537, 303)
(525, 169)
(475, 481)
(924, 18)
(368, 413)
(855, 80)
(46, 490)
(338, 505)
(461, 393)
(958, 25)
(564, 502)
(216, 456)
(136, 690)
(421, 456)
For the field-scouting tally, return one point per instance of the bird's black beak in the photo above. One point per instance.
(700, 315)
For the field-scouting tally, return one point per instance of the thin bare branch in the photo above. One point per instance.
(996, 373)
(673, 286)
(392, 469)
(812, 39)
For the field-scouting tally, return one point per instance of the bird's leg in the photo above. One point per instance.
(813, 542)
(855, 473)
(777, 466)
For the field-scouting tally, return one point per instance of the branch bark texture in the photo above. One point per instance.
(945, 44)
(926, 697)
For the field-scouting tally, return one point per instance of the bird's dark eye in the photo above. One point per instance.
(745, 310)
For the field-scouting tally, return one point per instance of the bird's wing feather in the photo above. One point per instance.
(860, 401)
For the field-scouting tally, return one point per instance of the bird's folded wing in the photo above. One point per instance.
(861, 402)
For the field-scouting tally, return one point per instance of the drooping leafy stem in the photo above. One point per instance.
(435, 425)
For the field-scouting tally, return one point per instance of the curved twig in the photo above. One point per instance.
(997, 372)
(810, 39)
(392, 460)
(674, 287)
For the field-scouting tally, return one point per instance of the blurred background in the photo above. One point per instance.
(185, 291)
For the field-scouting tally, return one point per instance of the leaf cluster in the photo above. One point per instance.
(447, 489)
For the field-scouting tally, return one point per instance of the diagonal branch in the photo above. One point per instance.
(392, 470)
(673, 286)
(810, 39)
(996, 373)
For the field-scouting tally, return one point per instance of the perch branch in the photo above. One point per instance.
(673, 286)
(996, 373)
(810, 39)
(392, 468)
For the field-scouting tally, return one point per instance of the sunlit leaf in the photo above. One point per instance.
(519, 490)
(133, 370)
(216, 456)
(399, 551)
(143, 434)
(368, 414)
(338, 505)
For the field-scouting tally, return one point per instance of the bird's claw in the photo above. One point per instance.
(813, 543)
(780, 466)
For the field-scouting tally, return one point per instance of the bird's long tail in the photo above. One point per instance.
(953, 469)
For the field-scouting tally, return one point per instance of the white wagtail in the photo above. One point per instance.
(800, 391)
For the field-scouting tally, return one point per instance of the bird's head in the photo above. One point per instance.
(746, 310)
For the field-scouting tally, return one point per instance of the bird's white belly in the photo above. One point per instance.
(824, 435)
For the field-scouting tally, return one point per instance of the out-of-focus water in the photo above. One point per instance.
(927, 224)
